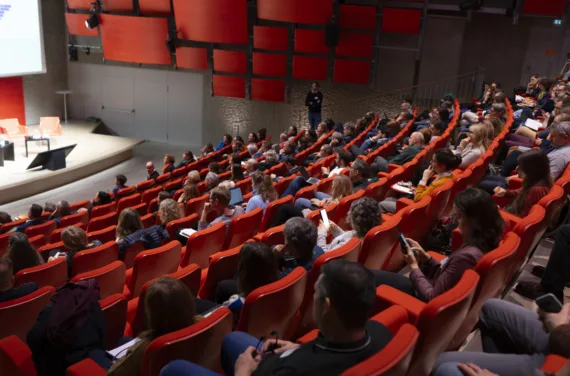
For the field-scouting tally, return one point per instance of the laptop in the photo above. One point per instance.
(308, 179)
(236, 196)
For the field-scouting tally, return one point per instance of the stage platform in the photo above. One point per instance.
(93, 153)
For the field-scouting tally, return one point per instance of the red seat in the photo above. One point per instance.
(70, 220)
(125, 192)
(153, 205)
(163, 179)
(306, 192)
(19, 315)
(325, 186)
(151, 264)
(179, 172)
(46, 249)
(99, 211)
(85, 204)
(343, 208)
(282, 184)
(55, 236)
(553, 363)
(174, 227)
(49, 274)
(377, 191)
(145, 185)
(245, 186)
(94, 258)
(148, 220)
(223, 265)
(44, 229)
(315, 215)
(202, 244)
(279, 170)
(173, 185)
(37, 241)
(196, 205)
(4, 243)
(10, 225)
(272, 236)
(16, 358)
(271, 211)
(128, 202)
(552, 203)
(461, 183)
(111, 278)
(105, 235)
(282, 298)
(132, 252)
(114, 309)
(103, 221)
(86, 367)
(379, 243)
(243, 227)
(140, 208)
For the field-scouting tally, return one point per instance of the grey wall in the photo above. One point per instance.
(39, 90)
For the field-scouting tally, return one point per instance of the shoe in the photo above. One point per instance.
(533, 290)
(538, 270)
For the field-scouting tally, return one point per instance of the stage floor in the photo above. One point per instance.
(93, 153)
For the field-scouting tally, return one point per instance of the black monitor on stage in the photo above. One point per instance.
(52, 159)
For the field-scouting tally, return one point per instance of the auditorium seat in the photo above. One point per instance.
(16, 357)
(145, 185)
(245, 186)
(140, 208)
(128, 202)
(94, 258)
(13, 129)
(196, 205)
(70, 220)
(132, 252)
(306, 192)
(50, 126)
(377, 191)
(86, 367)
(553, 363)
(148, 220)
(315, 215)
(105, 235)
(37, 241)
(163, 179)
(85, 204)
(10, 225)
(243, 227)
(461, 183)
(53, 273)
(4, 243)
(44, 229)
(101, 210)
(282, 298)
(114, 309)
(202, 244)
(46, 249)
(343, 208)
(223, 265)
(56, 234)
(271, 211)
(102, 222)
(379, 243)
(272, 236)
(125, 192)
(179, 173)
(174, 227)
(19, 315)
(111, 278)
(173, 185)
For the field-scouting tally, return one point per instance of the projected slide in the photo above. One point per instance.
(21, 40)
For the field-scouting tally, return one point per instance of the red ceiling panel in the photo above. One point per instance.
(270, 38)
(79, 4)
(310, 41)
(357, 17)
(297, 11)
(134, 39)
(213, 21)
(192, 58)
(226, 86)
(404, 21)
(229, 61)
(310, 68)
(351, 71)
(155, 6)
(269, 64)
(544, 7)
(355, 44)
(76, 25)
(267, 90)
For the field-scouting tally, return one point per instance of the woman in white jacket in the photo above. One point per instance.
(473, 145)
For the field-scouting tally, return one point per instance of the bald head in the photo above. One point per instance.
(149, 167)
(417, 139)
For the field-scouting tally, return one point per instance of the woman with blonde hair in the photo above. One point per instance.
(190, 191)
(341, 187)
(264, 191)
(193, 178)
(169, 211)
(473, 146)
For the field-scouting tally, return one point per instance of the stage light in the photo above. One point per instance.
(92, 21)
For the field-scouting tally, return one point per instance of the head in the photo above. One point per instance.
(6, 275)
(437, 127)
(359, 170)
(209, 147)
(63, 208)
(534, 169)
(405, 106)
(266, 145)
(289, 147)
(478, 219)
(257, 266)
(562, 100)
(149, 167)
(188, 156)
(21, 253)
(315, 87)
(193, 177)
(325, 151)
(349, 129)
(120, 180)
(251, 165)
(500, 97)
(237, 147)
(364, 214)
(163, 195)
(341, 187)
(443, 114)
(5, 218)
(263, 185)
(262, 134)
(129, 222)
(219, 199)
(343, 157)
(330, 124)
(35, 212)
(214, 167)
(169, 159)
(169, 211)
(252, 138)
(344, 297)
(211, 180)
(444, 160)
(292, 132)
(300, 238)
(544, 84)
(560, 134)
(252, 149)
(49, 207)
(498, 110)
(169, 307)
(322, 128)
(417, 139)
(271, 156)
(494, 124)
(74, 238)
(533, 80)
(426, 133)
(559, 342)
(102, 198)
(479, 136)
(237, 172)
(283, 137)
(228, 139)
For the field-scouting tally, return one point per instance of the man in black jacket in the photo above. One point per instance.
(314, 101)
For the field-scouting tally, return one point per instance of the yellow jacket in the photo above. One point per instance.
(423, 191)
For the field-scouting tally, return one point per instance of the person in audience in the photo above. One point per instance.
(102, 198)
(130, 230)
(190, 192)
(227, 184)
(481, 227)
(34, 218)
(251, 165)
(322, 131)
(289, 150)
(263, 192)
(162, 195)
(300, 248)
(341, 187)
(70, 329)
(21, 253)
(417, 143)
(252, 149)
(437, 128)
(212, 180)
(283, 138)
(49, 207)
(169, 161)
(262, 134)
(473, 146)
(120, 181)
(7, 290)
(192, 178)
(292, 131)
(227, 140)
(169, 306)
(343, 301)
(308, 139)
(426, 132)
(4, 218)
(271, 159)
(207, 150)
(342, 161)
(349, 132)
(62, 210)
(337, 139)
(74, 240)
(381, 138)
(443, 163)
(515, 340)
(237, 173)
(214, 167)
(237, 148)
(151, 172)
(168, 211)
(534, 169)
(265, 145)
(252, 138)
(363, 216)
(187, 158)
(219, 202)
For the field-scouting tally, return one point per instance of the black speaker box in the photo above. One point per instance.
(331, 33)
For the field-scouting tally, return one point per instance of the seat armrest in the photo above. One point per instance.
(84, 368)
(514, 220)
(436, 256)
(387, 296)
(403, 203)
(502, 201)
(308, 337)
(393, 318)
(383, 175)
(392, 167)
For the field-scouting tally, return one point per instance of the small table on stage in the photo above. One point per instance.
(6, 153)
(35, 139)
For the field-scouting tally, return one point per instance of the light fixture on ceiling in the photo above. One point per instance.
(93, 20)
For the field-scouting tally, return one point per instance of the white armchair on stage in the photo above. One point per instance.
(50, 126)
(12, 128)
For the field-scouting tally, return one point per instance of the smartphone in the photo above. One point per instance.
(405, 247)
(325, 218)
(549, 303)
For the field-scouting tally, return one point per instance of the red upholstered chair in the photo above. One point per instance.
(114, 309)
(174, 227)
(145, 185)
(282, 184)
(306, 192)
(377, 191)
(86, 367)
(94, 258)
(223, 265)
(552, 203)
(271, 211)
(279, 170)
(272, 236)
(282, 298)
(196, 205)
(202, 244)
(148, 220)
(50, 126)
(128, 202)
(179, 172)
(151, 264)
(70, 220)
(315, 215)
(46, 249)
(103, 221)
(553, 363)
(99, 211)
(16, 358)
(243, 227)
(379, 243)
(131, 253)
(461, 182)
(111, 278)
(4, 243)
(140, 208)
(163, 179)
(44, 229)
(37, 241)
(447, 310)
(13, 129)
(245, 186)
(108, 234)
(19, 315)
(199, 343)
(173, 185)
(85, 204)
(530, 229)
(343, 207)
(10, 225)
(125, 192)
(49, 274)
(325, 185)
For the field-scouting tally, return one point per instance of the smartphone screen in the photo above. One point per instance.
(549, 303)
(405, 247)
(325, 218)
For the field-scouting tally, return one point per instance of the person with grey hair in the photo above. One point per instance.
(337, 140)
(62, 209)
(49, 207)
(300, 248)
(193, 177)
(271, 159)
(250, 167)
(252, 149)
(289, 150)
(417, 143)
(363, 215)
(498, 110)
(212, 180)
(349, 132)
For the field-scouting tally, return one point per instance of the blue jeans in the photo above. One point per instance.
(491, 182)
(305, 203)
(314, 119)
(296, 185)
(185, 368)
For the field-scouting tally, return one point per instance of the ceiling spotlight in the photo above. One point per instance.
(92, 21)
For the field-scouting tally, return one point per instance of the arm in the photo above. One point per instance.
(322, 239)
(307, 102)
(423, 191)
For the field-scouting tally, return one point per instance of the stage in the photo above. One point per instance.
(93, 153)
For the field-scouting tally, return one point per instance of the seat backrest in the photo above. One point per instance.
(153, 263)
(145, 185)
(344, 206)
(439, 200)
(413, 218)
(439, 320)
(243, 227)
(199, 343)
(46, 249)
(21, 313)
(394, 359)
(461, 183)
(16, 358)
(187, 222)
(325, 185)
(86, 204)
(282, 298)
(202, 244)
(128, 202)
(271, 211)
(553, 363)
(114, 309)
(552, 203)
(245, 186)
(173, 185)
(530, 229)
(148, 220)
(99, 211)
(283, 184)
(492, 269)
(111, 278)
(94, 258)
(103, 221)
(223, 265)
(315, 215)
(70, 220)
(53, 273)
(108, 234)
(124, 192)
(378, 244)
(38, 241)
(50, 125)
(377, 190)
(4, 243)
(10, 225)
(44, 229)
(162, 179)
(273, 236)
(196, 205)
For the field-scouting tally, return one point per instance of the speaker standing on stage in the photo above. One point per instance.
(314, 101)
